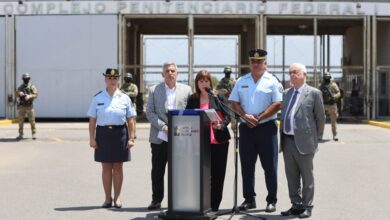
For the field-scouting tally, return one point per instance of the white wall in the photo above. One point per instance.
(66, 56)
(3, 102)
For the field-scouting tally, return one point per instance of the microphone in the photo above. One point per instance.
(208, 90)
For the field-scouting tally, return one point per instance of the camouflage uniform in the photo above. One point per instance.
(331, 94)
(131, 90)
(26, 107)
(225, 86)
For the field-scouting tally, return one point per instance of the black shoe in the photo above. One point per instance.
(107, 205)
(305, 214)
(154, 205)
(271, 207)
(292, 211)
(247, 205)
(335, 138)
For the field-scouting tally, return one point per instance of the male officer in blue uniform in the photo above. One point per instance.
(257, 97)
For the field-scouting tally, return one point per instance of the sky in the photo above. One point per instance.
(220, 51)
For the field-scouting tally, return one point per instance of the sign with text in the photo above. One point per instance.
(196, 7)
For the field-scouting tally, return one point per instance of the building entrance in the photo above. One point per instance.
(189, 34)
(323, 44)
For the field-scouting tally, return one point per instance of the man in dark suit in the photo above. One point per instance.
(163, 97)
(302, 120)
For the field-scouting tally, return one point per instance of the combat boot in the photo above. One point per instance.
(19, 137)
(34, 137)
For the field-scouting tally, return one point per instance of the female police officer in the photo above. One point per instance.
(110, 136)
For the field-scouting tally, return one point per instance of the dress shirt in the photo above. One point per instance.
(292, 123)
(111, 110)
(171, 97)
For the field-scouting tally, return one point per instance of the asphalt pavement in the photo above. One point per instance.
(55, 177)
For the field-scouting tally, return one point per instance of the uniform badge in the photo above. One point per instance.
(281, 90)
(256, 55)
(244, 86)
(100, 104)
(112, 72)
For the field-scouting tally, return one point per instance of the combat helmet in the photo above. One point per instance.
(26, 76)
(326, 76)
(227, 69)
(129, 76)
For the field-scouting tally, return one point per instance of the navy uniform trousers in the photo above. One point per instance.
(259, 141)
(159, 162)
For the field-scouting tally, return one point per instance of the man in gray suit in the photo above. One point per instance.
(302, 119)
(163, 97)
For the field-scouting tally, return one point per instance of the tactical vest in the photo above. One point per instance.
(226, 83)
(327, 95)
(130, 87)
(22, 101)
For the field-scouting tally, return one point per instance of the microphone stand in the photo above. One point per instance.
(235, 210)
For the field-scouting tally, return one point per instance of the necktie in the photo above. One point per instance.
(287, 124)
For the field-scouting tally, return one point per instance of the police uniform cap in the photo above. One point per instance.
(128, 76)
(26, 76)
(257, 54)
(111, 72)
(227, 69)
(326, 75)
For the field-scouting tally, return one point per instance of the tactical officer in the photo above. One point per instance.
(331, 94)
(130, 89)
(225, 86)
(26, 93)
(257, 96)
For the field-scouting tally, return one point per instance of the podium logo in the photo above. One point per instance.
(184, 131)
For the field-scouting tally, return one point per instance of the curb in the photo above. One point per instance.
(7, 121)
(377, 123)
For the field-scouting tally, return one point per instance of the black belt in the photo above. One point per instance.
(112, 126)
(261, 124)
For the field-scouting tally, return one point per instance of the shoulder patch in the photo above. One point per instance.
(98, 93)
(281, 90)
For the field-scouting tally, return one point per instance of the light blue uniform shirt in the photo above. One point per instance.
(255, 98)
(111, 110)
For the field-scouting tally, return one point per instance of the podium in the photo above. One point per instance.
(188, 165)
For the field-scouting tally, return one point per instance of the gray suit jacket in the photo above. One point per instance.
(309, 119)
(156, 108)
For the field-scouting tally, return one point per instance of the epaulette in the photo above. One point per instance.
(98, 93)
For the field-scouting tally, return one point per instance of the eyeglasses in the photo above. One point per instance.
(112, 77)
